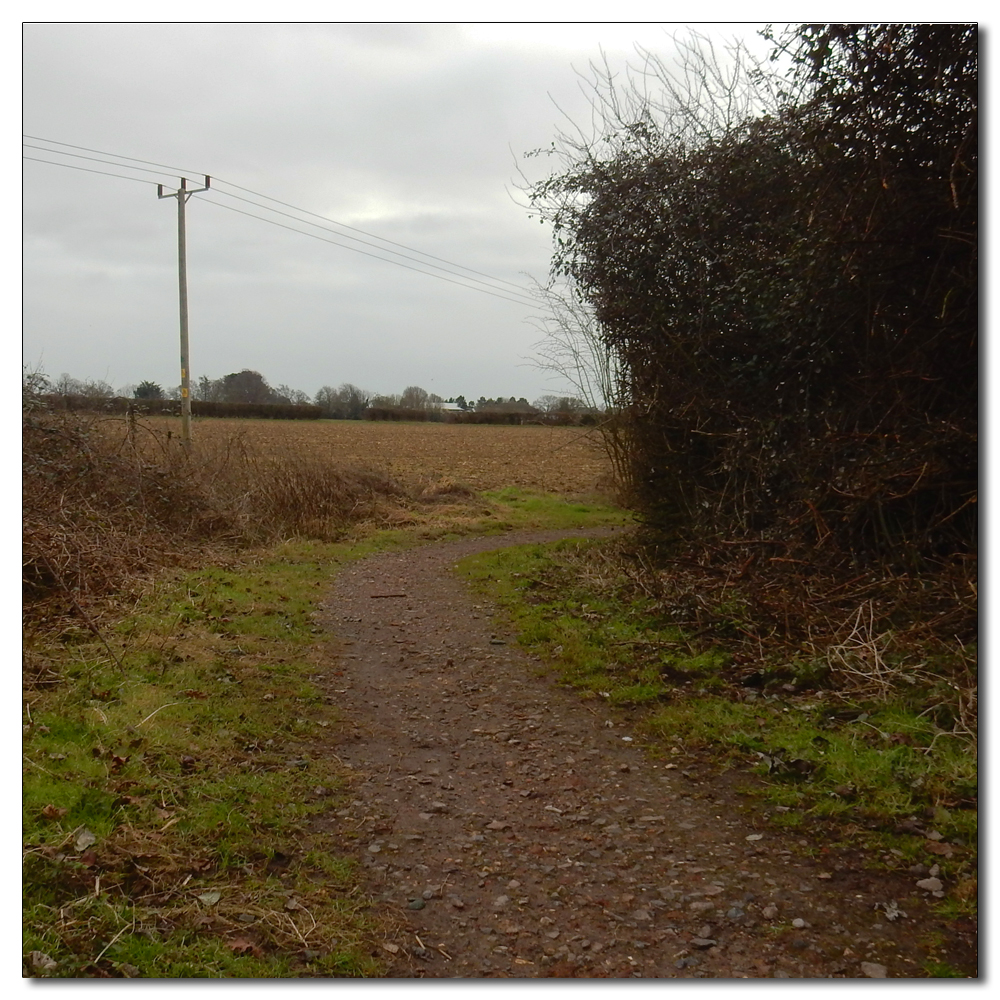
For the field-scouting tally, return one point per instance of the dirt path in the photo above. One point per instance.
(516, 830)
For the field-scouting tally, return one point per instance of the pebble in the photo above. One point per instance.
(930, 884)
(416, 904)
(874, 971)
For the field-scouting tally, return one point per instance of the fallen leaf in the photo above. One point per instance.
(754, 836)
(240, 946)
(54, 812)
(934, 847)
(210, 898)
(391, 948)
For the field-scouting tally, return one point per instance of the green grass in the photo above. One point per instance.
(597, 645)
(860, 766)
(182, 770)
(522, 509)
(186, 771)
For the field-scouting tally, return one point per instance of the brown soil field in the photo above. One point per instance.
(567, 460)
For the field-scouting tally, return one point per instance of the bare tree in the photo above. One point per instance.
(574, 348)
(414, 398)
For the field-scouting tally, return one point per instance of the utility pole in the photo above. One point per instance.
(182, 194)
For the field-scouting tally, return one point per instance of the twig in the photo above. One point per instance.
(298, 933)
(113, 940)
(160, 709)
(28, 760)
(83, 614)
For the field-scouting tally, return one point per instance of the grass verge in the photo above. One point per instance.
(887, 772)
(171, 774)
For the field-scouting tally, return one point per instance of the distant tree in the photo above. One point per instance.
(414, 398)
(347, 402)
(560, 404)
(354, 400)
(148, 390)
(460, 402)
(326, 398)
(286, 394)
(246, 387)
(206, 389)
(66, 385)
(547, 404)
(96, 388)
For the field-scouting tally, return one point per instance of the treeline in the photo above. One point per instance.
(172, 407)
(790, 290)
(248, 394)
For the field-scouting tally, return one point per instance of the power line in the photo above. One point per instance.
(518, 289)
(104, 152)
(479, 287)
(430, 274)
(88, 170)
(344, 225)
(91, 159)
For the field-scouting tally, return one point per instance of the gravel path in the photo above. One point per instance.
(510, 828)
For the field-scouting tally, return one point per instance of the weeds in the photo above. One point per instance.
(168, 807)
(861, 733)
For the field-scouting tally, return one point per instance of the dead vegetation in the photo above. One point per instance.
(793, 625)
(109, 498)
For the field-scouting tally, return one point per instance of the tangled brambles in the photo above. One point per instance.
(108, 498)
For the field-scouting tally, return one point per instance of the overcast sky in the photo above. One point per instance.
(412, 132)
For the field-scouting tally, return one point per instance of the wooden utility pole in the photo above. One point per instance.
(182, 194)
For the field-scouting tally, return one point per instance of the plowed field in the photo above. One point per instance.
(566, 460)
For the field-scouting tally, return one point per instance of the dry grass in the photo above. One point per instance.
(108, 498)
